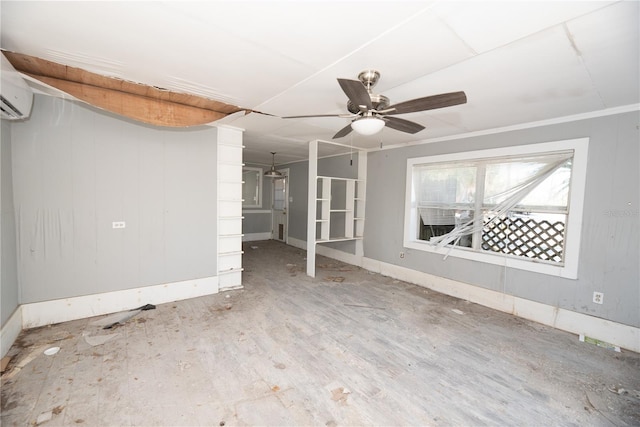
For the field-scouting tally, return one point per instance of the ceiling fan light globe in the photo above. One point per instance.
(367, 125)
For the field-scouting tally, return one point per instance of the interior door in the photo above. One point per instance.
(279, 208)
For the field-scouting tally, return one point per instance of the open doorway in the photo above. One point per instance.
(280, 206)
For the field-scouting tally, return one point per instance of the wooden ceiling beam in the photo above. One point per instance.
(137, 101)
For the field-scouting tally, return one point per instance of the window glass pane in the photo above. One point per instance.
(279, 188)
(507, 176)
(251, 187)
(552, 193)
(445, 197)
(445, 185)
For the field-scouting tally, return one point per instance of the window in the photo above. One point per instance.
(517, 206)
(251, 187)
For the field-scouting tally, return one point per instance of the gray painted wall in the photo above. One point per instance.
(9, 291)
(609, 249)
(76, 170)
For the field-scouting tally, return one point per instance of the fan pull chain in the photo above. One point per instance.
(351, 151)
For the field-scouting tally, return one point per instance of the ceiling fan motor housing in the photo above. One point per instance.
(379, 102)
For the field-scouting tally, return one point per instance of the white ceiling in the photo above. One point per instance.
(518, 62)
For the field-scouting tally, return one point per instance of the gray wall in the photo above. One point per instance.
(76, 170)
(609, 249)
(9, 291)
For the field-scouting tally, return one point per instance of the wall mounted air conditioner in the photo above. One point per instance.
(16, 97)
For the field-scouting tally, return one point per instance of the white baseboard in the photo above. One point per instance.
(10, 331)
(300, 244)
(328, 252)
(252, 237)
(62, 310)
(624, 336)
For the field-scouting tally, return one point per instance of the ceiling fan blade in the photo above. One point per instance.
(402, 125)
(427, 103)
(313, 115)
(357, 93)
(343, 132)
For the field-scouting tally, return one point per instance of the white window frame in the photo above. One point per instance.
(258, 202)
(573, 229)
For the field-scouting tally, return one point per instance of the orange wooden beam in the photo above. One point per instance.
(137, 101)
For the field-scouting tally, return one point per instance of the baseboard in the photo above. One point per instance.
(252, 237)
(328, 252)
(63, 310)
(300, 244)
(10, 331)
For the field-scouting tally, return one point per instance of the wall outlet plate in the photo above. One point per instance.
(118, 224)
(598, 297)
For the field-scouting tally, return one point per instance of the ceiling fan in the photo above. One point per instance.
(371, 112)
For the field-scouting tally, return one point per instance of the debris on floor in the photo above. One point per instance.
(51, 351)
(37, 351)
(340, 395)
(5, 363)
(254, 247)
(455, 310)
(617, 390)
(337, 279)
(120, 318)
(599, 343)
(99, 339)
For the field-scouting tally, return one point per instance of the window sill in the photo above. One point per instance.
(566, 271)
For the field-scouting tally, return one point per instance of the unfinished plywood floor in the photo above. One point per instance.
(346, 348)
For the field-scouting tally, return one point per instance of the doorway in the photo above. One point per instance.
(280, 206)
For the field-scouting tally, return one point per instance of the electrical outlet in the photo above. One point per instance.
(598, 297)
(118, 224)
(401, 254)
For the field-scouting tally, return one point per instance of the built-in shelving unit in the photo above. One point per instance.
(336, 207)
(348, 211)
(230, 214)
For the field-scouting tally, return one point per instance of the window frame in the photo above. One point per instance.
(573, 229)
(259, 172)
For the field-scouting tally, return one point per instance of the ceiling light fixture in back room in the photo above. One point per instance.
(273, 173)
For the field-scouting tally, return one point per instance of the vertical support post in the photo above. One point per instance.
(350, 206)
(476, 239)
(312, 195)
(360, 203)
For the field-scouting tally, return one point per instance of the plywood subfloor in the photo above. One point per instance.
(346, 348)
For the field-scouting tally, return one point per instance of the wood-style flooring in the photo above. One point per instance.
(346, 348)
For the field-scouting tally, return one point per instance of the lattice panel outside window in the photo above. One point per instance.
(525, 237)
